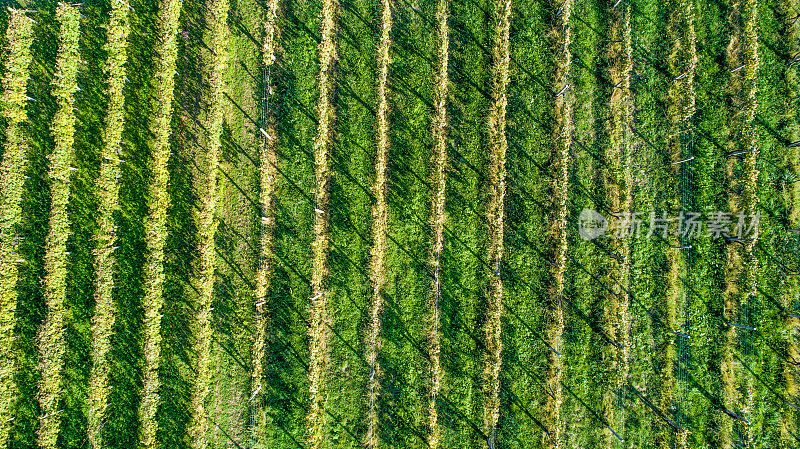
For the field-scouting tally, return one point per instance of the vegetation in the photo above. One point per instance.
(155, 223)
(319, 330)
(437, 219)
(562, 142)
(268, 179)
(620, 191)
(496, 215)
(742, 176)
(682, 66)
(207, 223)
(52, 347)
(377, 265)
(18, 58)
(788, 423)
(108, 187)
(338, 224)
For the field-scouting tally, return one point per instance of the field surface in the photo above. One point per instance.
(400, 224)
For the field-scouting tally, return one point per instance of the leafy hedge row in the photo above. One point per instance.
(108, 188)
(495, 214)
(682, 62)
(438, 216)
(378, 267)
(617, 317)
(268, 183)
(155, 223)
(52, 346)
(320, 314)
(17, 61)
(204, 277)
(562, 139)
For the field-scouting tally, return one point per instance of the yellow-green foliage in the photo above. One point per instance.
(438, 217)
(620, 192)
(207, 223)
(319, 331)
(682, 62)
(751, 173)
(268, 176)
(18, 59)
(498, 145)
(105, 311)
(155, 223)
(562, 140)
(742, 263)
(379, 230)
(791, 324)
(51, 335)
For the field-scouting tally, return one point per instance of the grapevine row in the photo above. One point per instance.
(108, 188)
(155, 223)
(379, 230)
(562, 138)
(496, 214)
(320, 316)
(12, 177)
(620, 190)
(268, 177)
(52, 346)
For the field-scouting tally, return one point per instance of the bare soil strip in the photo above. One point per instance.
(438, 218)
(217, 21)
(12, 175)
(554, 319)
(320, 315)
(51, 335)
(496, 215)
(379, 230)
(155, 223)
(268, 171)
(108, 188)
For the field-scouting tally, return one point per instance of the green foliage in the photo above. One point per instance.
(108, 187)
(19, 36)
(52, 346)
(207, 220)
(155, 223)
